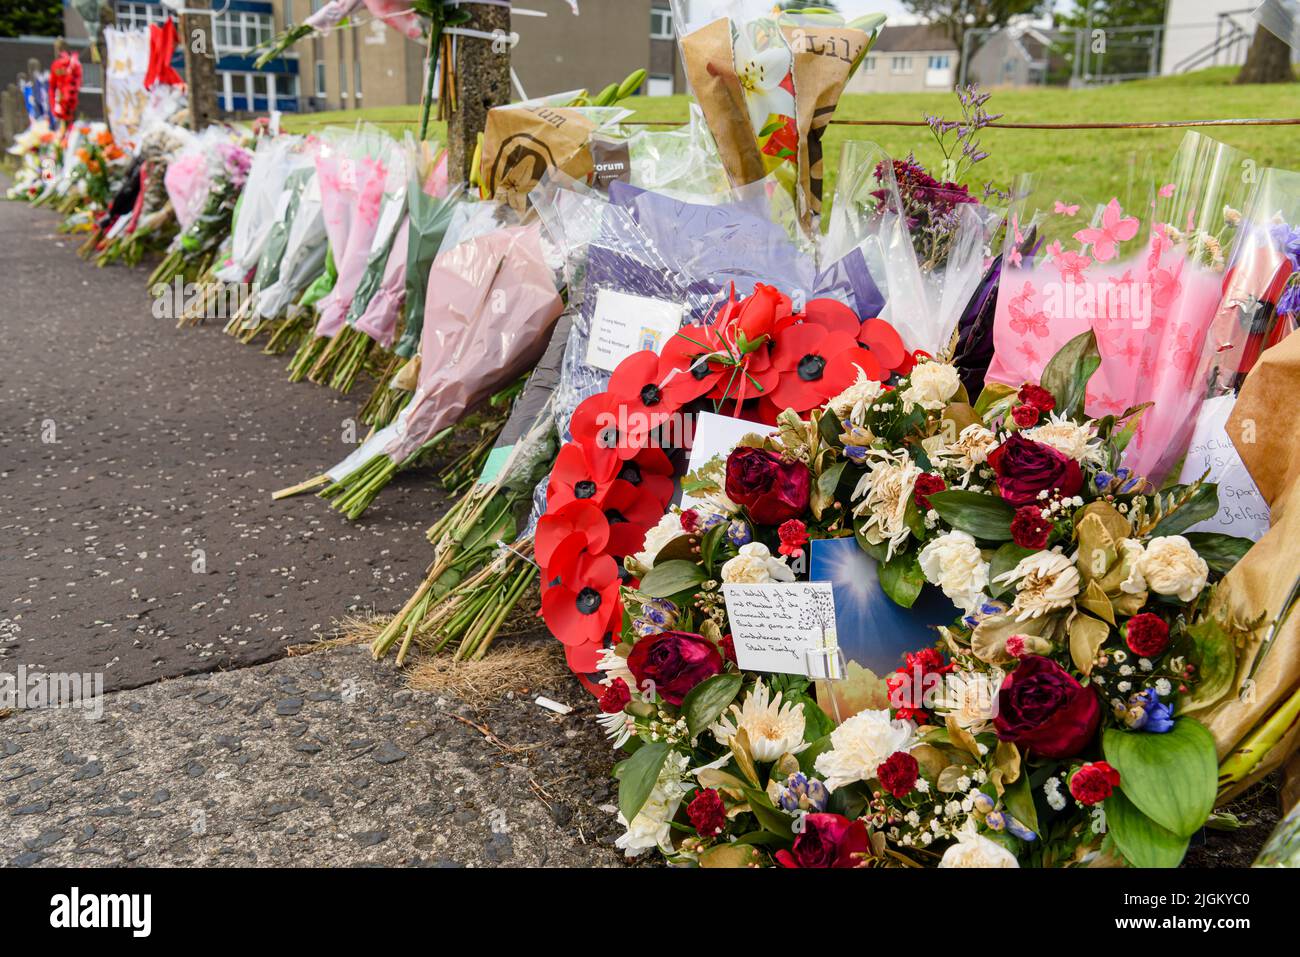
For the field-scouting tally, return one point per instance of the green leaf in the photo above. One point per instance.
(771, 819)
(991, 395)
(1171, 777)
(638, 777)
(984, 516)
(1066, 375)
(1200, 505)
(1020, 802)
(829, 480)
(1142, 841)
(1220, 552)
(902, 579)
(671, 578)
(1007, 557)
(1215, 658)
(708, 699)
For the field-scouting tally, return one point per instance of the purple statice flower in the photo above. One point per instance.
(1289, 303)
(1288, 241)
(738, 533)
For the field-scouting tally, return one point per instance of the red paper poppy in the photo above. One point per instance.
(573, 479)
(629, 514)
(650, 473)
(580, 600)
(801, 375)
(582, 517)
(686, 374)
(833, 315)
(885, 344)
(600, 425)
(645, 406)
(582, 661)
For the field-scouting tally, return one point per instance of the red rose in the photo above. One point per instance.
(771, 488)
(759, 312)
(1037, 397)
(1093, 783)
(897, 774)
(794, 536)
(827, 840)
(673, 662)
(1029, 529)
(1147, 635)
(1025, 416)
(1042, 708)
(926, 485)
(707, 813)
(615, 697)
(729, 648)
(690, 520)
(1024, 468)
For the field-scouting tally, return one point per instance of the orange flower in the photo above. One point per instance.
(103, 137)
(83, 155)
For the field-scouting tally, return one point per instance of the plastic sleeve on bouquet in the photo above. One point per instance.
(258, 205)
(379, 321)
(491, 306)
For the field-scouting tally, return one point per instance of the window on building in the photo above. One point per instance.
(940, 62)
(870, 64)
(343, 80)
(356, 79)
(661, 23)
(320, 78)
(659, 84)
(900, 64)
(133, 16)
(238, 32)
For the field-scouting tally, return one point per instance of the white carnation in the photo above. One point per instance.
(954, 563)
(652, 826)
(1170, 566)
(931, 385)
(669, 528)
(861, 744)
(754, 565)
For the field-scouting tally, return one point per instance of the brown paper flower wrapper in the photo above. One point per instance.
(521, 143)
(1265, 429)
(711, 68)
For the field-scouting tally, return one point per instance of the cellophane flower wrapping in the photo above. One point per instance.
(259, 204)
(358, 170)
(429, 208)
(1144, 274)
(305, 246)
(381, 324)
(768, 81)
(492, 302)
(1258, 307)
(929, 252)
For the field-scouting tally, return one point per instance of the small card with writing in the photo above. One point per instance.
(1242, 509)
(623, 324)
(783, 628)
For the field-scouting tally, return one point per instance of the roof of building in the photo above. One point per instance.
(913, 38)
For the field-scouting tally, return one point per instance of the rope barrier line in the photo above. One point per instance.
(1153, 125)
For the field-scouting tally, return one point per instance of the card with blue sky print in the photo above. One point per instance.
(873, 632)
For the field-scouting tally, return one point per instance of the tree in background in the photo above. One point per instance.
(957, 18)
(1269, 60)
(41, 18)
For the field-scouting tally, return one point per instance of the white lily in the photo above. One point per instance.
(761, 73)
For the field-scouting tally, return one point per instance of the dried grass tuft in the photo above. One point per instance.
(509, 666)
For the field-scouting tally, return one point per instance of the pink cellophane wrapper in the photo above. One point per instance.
(379, 321)
(331, 14)
(352, 193)
(490, 308)
(186, 180)
(1150, 307)
(399, 15)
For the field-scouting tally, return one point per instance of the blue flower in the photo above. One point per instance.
(855, 453)
(1103, 480)
(1019, 830)
(1289, 304)
(738, 533)
(1146, 712)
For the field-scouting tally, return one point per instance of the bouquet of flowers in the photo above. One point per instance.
(1050, 723)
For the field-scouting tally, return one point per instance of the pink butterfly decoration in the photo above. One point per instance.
(1062, 209)
(1023, 321)
(1115, 228)
(1167, 190)
(1071, 264)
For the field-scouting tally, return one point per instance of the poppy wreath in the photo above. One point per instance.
(614, 481)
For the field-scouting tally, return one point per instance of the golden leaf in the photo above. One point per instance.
(739, 744)
(1096, 601)
(1007, 759)
(728, 856)
(962, 738)
(1087, 635)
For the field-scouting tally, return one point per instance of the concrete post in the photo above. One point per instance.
(482, 72)
(200, 63)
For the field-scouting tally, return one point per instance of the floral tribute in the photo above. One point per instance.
(610, 486)
(1052, 724)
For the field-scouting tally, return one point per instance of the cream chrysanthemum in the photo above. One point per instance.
(773, 728)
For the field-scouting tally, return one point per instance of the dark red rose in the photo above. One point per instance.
(1037, 397)
(1025, 468)
(1147, 635)
(772, 489)
(729, 648)
(926, 485)
(1025, 416)
(615, 697)
(1042, 708)
(707, 813)
(673, 662)
(1093, 783)
(827, 840)
(897, 774)
(1029, 529)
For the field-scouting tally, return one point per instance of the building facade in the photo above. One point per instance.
(916, 58)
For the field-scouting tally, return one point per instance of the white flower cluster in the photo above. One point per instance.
(754, 565)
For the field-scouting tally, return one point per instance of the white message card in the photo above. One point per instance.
(784, 627)
(623, 324)
(715, 436)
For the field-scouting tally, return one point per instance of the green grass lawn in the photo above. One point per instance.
(1088, 162)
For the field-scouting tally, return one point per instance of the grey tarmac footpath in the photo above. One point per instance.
(319, 760)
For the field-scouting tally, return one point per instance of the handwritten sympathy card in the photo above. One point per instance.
(784, 627)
